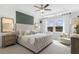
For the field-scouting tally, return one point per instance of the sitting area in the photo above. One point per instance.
(65, 39)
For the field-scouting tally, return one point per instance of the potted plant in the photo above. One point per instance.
(77, 28)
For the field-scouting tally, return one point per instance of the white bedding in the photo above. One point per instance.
(31, 38)
(35, 42)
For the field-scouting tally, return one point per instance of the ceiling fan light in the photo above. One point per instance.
(42, 10)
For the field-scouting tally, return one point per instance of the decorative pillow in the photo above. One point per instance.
(65, 35)
(32, 32)
(21, 33)
(27, 32)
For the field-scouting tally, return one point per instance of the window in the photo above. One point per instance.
(59, 25)
(55, 24)
(59, 28)
(50, 24)
(50, 29)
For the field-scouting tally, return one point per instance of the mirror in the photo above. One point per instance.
(7, 24)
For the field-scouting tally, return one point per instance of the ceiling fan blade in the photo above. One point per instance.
(36, 10)
(46, 5)
(37, 7)
(47, 9)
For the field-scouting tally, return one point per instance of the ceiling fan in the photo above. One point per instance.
(42, 7)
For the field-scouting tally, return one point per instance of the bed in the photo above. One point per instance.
(35, 42)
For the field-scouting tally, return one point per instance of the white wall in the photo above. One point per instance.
(10, 11)
(7, 11)
(43, 26)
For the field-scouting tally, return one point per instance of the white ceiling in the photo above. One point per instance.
(56, 8)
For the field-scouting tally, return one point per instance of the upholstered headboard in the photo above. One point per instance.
(24, 27)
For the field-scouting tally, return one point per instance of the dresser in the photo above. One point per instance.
(7, 39)
(75, 44)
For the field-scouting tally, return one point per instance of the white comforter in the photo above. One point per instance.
(31, 38)
(35, 42)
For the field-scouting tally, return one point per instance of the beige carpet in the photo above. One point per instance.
(54, 48)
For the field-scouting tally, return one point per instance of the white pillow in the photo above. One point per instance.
(27, 32)
(21, 33)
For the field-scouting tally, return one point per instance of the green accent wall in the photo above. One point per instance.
(23, 18)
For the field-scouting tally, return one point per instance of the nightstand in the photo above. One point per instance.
(8, 39)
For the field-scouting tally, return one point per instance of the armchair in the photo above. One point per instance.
(65, 39)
